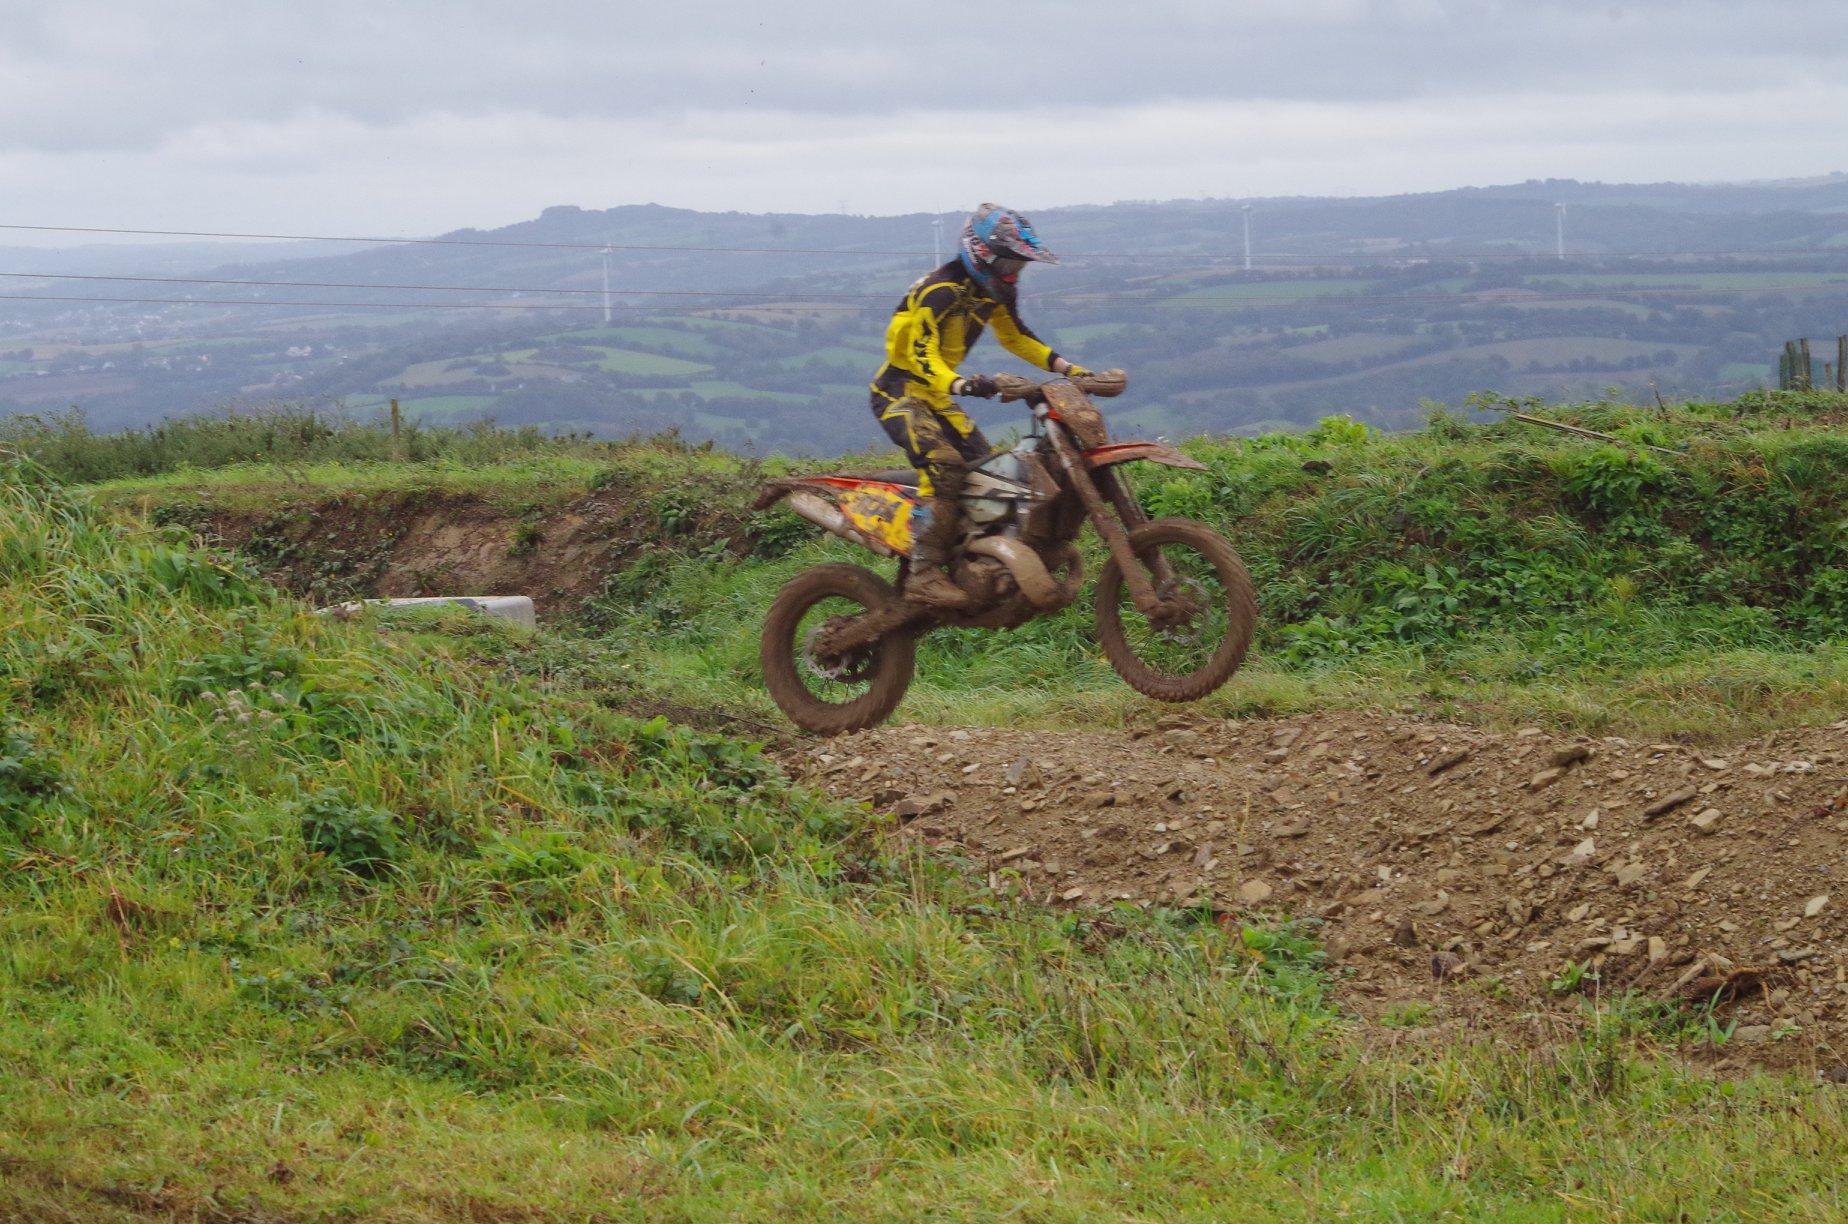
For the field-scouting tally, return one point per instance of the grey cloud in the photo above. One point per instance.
(122, 75)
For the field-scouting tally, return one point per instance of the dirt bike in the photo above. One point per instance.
(1174, 605)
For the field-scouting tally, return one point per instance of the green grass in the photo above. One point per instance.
(537, 480)
(1488, 573)
(1495, 573)
(280, 441)
(389, 920)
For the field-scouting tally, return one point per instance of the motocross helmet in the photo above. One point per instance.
(997, 242)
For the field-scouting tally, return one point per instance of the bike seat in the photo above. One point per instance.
(908, 477)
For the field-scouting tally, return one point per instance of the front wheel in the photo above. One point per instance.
(830, 693)
(1201, 633)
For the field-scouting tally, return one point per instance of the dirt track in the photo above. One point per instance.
(1458, 871)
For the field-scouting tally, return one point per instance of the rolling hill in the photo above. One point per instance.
(736, 327)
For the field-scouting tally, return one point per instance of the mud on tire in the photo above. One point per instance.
(884, 669)
(1236, 600)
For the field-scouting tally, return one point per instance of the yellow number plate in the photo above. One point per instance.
(882, 513)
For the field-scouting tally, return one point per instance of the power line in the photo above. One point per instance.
(1056, 295)
(1228, 257)
(1480, 297)
(291, 284)
(53, 297)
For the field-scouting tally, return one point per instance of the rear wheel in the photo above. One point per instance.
(829, 692)
(1200, 636)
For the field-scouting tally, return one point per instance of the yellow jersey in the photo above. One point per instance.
(932, 330)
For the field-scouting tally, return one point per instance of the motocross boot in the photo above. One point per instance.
(930, 583)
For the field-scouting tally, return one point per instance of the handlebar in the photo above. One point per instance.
(1105, 384)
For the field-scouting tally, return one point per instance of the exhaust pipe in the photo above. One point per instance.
(829, 517)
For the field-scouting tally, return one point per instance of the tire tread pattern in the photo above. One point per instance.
(892, 670)
(1241, 612)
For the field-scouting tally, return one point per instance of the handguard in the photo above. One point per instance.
(1104, 384)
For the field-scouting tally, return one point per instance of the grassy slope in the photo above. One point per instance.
(1499, 572)
(304, 918)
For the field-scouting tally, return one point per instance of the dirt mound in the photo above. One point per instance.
(1465, 877)
(403, 543)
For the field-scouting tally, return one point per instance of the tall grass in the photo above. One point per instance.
(1494, 572)
(305, 919)
(1487, 571)
(65, 445)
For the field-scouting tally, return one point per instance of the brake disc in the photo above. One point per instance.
(851, 667)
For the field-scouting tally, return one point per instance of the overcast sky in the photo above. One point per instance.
(380, 117)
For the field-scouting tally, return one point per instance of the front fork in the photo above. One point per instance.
(1114, 482)
(1114, 531)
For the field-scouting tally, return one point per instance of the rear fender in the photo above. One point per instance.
(775, 490)
(1127, 452)
(873, 513)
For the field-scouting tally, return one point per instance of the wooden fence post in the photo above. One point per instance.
(1841, 363)
(397, 432)
(1804, 372)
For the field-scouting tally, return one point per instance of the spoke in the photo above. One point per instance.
(1185, 632)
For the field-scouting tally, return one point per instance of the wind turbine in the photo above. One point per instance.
(607, 252)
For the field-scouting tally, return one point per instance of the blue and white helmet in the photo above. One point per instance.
(997, 235)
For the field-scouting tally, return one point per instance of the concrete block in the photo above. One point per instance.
(516, 608)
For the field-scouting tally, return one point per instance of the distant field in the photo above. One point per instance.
(629, 361)
(530, 369)
(1353, 348)
(446, 407)
(1633, 309)
(1691, 280)
(672, 340)
(708, 323)
(1260, 293)
(430, 374)
(1084, 333)
(723, 389)
(1552, 350)
(618, 361)
(836, 355)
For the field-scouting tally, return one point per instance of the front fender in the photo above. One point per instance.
(1127, 452)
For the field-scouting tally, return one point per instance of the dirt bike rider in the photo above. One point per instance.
(943, 314)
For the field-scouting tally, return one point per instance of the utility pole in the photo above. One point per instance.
(1559, 231)
(936, 241)
(606, 284)
(1245, 211)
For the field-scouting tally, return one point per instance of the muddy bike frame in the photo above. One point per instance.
(1063, 418)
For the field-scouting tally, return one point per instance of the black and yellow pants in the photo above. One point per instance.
(941, 443)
